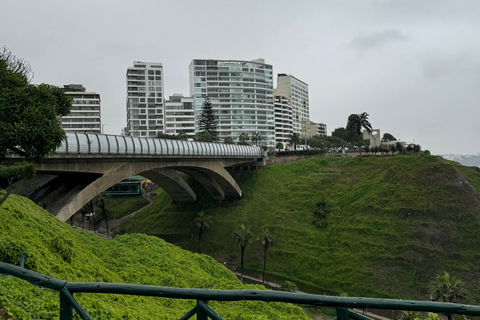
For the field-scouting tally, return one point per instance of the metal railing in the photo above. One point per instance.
(204, 312)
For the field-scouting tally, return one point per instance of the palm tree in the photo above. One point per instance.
(448, 289)
(289, 286)
(356, 122)
(408, 315)
(267, 241)
(243, 138)
(294, 139)
(202, 221)
(256, 137)
(243, 237)
(101, 200)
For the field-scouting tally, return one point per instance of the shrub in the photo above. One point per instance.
(63, 247)
(11, 252)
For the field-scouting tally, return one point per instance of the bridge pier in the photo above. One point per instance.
(172, 183)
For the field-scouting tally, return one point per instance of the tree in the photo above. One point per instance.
(100, 202)
(243, 237)
(294, 139)
(208, 122)
(388, 137)
(408, 315)
(29, 116)
(289, 286)
(267, 241)
(447, 289)
(393, 149)
(16, 65)
(357, 122)
(202, 221)
(340, 133)
(344, 135)
(166, 136)
(203, 137)
(416, 148)
(182, 136)
(20, 170)
(399, 146)
(279, 146)
(256, 137)
(228, 140)
(243, 138)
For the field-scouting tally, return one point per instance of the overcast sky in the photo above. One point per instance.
(413, 65)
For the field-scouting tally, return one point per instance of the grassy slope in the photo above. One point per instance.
(139, 259)
(394, 224)
(122, 206)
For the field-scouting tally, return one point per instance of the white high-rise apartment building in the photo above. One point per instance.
(85, 112)
(180, 115)
(145, 106)
(283, 119)
(241, 93)
(297, 90)
(317, 129)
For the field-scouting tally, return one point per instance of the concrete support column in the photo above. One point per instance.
(170, 181)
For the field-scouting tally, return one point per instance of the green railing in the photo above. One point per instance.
(204, 312)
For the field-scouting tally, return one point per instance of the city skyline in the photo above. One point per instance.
(413, 66)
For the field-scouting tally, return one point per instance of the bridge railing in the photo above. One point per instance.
(202, 296)
(89, 143)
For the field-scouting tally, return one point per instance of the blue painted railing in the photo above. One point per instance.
(203, 311)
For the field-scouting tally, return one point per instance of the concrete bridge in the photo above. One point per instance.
(87, 164)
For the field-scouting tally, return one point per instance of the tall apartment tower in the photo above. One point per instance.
(283, 119)
(297, 90)
(241, 93)
(85, 113)
(180, 115)
(145, 100)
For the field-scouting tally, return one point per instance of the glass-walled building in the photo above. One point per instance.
(241, 93)
(145, 100)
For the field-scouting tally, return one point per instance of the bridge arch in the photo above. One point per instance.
(99, 161)
(211, 174)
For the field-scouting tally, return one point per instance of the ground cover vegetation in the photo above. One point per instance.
(380, 227)
(55, 249)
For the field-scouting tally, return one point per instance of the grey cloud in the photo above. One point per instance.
(377, 39)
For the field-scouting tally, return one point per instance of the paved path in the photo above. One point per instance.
(276, 286)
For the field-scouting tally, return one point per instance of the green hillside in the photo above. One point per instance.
(57, 250)
(393, 224)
